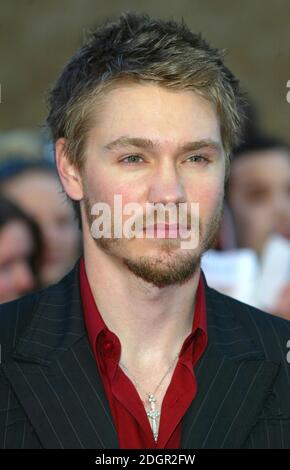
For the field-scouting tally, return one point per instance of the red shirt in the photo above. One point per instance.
(131, 422)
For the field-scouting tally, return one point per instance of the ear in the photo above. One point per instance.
(68, 173)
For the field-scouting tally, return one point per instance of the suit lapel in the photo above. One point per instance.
(233, 382)
(55, 377)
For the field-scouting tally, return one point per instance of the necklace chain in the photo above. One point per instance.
(153, 413)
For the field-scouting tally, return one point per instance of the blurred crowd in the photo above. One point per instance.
(256, 217)
(40, 239)
(39, 236)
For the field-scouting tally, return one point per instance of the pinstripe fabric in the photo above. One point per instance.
(51, 395)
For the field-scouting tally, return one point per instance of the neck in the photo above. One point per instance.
(151, 322)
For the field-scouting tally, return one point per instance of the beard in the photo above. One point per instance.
(171, 265)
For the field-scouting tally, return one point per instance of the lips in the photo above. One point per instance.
(164, 230)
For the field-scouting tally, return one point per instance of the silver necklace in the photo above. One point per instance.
(153, 413)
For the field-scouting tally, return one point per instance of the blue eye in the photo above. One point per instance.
(198, 158)
(131, 159)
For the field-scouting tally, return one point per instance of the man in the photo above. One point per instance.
(132, 349)
(258, 191)
(258, 196)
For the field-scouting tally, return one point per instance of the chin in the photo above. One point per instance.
(163, 271)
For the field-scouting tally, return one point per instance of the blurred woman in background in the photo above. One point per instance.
(20, 252)
(35, 187)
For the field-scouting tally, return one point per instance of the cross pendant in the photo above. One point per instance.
(153, 414)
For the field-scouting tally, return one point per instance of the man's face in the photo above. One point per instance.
(259, 197)
(177, 157)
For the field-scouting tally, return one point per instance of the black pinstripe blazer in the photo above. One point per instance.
(51, 395)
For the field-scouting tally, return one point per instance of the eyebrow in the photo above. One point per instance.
(125, 141)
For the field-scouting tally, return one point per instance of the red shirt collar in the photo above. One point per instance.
(95, 323)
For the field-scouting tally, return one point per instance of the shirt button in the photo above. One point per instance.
(108, 345)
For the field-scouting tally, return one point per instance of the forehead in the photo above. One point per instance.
(39, 192)
(266, 167)
(156, 113)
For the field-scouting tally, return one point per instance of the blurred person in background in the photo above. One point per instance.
(258, 191)
(34, 186)
(20, 250)
(258, 198)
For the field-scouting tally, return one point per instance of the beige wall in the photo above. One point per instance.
(37, 38)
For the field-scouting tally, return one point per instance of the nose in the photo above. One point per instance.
(282, 204)
(23, 278)
(53, 240)
(167, 186)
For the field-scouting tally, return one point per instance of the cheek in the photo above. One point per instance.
(209, 197)
(106, 191)
(256, 215)
(102, 185)
(252, 221)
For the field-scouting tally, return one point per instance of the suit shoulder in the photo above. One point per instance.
(17, 315)
(270, 331)
(14, 317)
